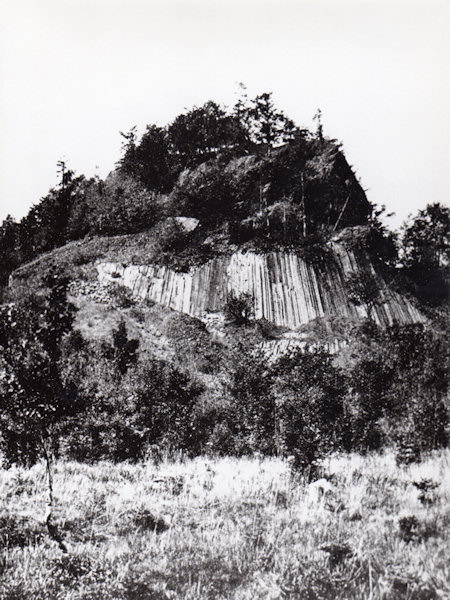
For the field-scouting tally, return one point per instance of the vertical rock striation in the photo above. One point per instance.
(285, 289)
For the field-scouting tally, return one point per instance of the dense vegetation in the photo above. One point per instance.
(249, 174)
(64, 395)
(252, 179)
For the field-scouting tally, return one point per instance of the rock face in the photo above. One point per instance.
(285, 289)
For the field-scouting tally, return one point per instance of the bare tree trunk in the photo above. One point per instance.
(48, 457)
(303, 204)
(52, 527)
(341, 213)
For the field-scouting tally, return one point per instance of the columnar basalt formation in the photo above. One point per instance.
(285, 289)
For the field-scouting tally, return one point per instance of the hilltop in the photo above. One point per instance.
(250, 177)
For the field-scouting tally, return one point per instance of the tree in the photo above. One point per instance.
(50, 223)
(363, 290)
(124, 350)
(251, 416)
(425, 239)
(267, 125)
(9, 248)
(34, 398)
(128, 163)
(425, 255)
(202, 132)
(85, 205)
(148, 161)
(318, 118)
(154, 407)
(153, 160)
(398, 383)
(309, 392)
(55, 208)
(238, 309)
(124, 205)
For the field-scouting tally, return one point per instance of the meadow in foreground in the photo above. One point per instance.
(228, 529)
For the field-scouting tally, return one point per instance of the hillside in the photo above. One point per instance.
(285, 224)
(249, 176)
(227, 286)
(293, 300)
(223, 376)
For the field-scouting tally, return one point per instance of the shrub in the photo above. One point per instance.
(398, 385)
(152, 405)
(293, 408)
(309, 393)
(238, 309)
(121, 295)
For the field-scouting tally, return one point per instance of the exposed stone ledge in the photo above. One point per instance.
(285, 289)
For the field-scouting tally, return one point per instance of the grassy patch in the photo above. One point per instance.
(229, 528)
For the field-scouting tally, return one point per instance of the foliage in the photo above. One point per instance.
(309, 396)
(267, 125)
(363, 290)
(425, 255)
(124, 206)
(121, 295)
(9, 231)
(123, 351)
(238, 309)
(203, 193)
(251, 414)
(398, 386)
(148, 162)
(293, 407)
(34, 398)
(375, 240)
(281, 222)
(131, 406)
(199, 134)
(425, 239)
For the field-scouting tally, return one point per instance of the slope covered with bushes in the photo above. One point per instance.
(216, 182)
(303, 331)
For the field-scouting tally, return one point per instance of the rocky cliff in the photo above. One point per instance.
(285, 289)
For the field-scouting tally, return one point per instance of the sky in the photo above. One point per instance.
(74, 73)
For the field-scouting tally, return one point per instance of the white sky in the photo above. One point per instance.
(75, 72)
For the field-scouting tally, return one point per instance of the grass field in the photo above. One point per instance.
(228, 528)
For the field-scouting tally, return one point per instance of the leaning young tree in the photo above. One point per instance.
(34, 399)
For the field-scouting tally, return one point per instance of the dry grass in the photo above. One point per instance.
(228, 528)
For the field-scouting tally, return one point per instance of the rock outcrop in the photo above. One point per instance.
(286, 290)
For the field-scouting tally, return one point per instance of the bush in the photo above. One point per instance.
(293, 408)
(238, 309)
(309, 393)
(152, 405)
(398, 386)
(121, 295)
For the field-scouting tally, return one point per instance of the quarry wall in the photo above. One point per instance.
(286, 290)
